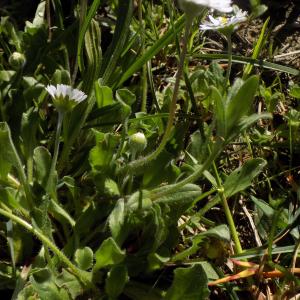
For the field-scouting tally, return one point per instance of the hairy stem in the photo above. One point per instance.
(55, 154)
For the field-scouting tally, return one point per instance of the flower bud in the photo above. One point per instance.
(138, 142)
(17, 60)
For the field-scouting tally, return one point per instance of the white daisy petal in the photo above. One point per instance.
(51, 89)
(223, 24)
(65, 97)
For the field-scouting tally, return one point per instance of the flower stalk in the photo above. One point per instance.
(49, 187)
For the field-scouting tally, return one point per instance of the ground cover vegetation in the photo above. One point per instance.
(147, 151)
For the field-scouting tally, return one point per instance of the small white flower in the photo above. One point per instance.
(224, 24)
(195, 7)
(65, 97)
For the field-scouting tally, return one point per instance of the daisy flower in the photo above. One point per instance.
(65, 97)
(195, 7)
(224, 24)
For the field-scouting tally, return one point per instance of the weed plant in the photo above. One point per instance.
(135, 165)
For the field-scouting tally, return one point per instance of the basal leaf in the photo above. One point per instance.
(116, 221)
(181, 200)
(84, 258)
(44, 285)
(109, 253)
(189, 284)
(103, 94)
(239, 105)
(42, 162)
(115, 281)
(69, 282)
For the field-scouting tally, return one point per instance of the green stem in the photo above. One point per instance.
(230, 221)
(229, 218)
(46, 241)
(55, 154)
(229, 42)
(130, 181)
(144, 160)
(30, 168)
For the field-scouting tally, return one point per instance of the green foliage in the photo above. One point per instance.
(125, 200)
(108, 254)
(190, 283)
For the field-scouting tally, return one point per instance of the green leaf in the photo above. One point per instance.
(10, 197)
(94, 57)
(139, 291)
(84, 258)
(29, 127)
(160, 170)
(246, 122)
(115, 281)
(111, 188)
(27, 293)
(126, 96)
(181, 200)
(8, 154)
(156, 261)
(242, 177)
(295, 91)
(258, 47)
(263, 206)
(6, 75)
(255, 62)
(240, 103)
(189, 284)
(83, 30)
(220, 117)
(209, 270)
(219, 233)
(139, 200)
(258, 10)
(115, 49)
(44, 284)
(101, 155)
(103, 94)
(69, 282)
(109, 253)
(61, 77)
(42, 162)
(116, 221)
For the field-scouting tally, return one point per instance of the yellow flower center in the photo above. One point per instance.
(223, 20)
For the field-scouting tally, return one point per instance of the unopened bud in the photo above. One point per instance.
(137, 142)
(17, 60)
